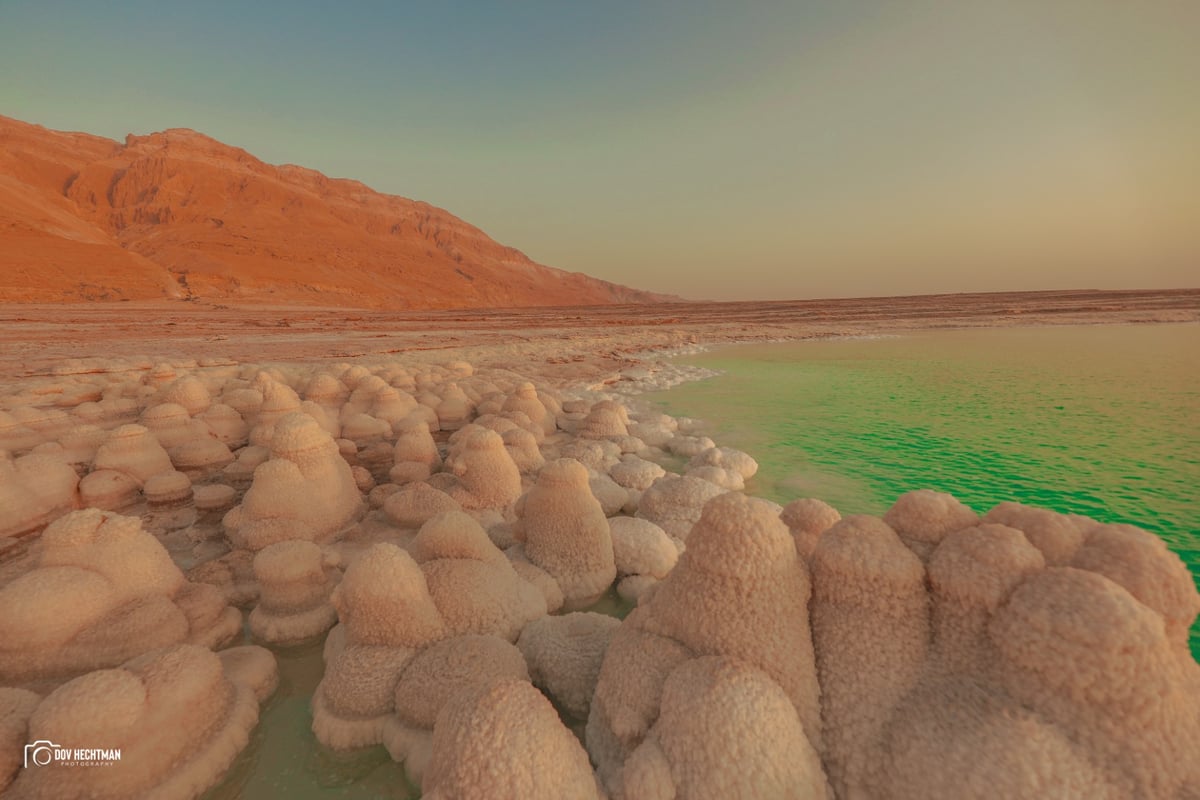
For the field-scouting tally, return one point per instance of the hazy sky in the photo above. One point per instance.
(725, 151)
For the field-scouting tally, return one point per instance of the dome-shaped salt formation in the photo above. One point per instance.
(472, 583)
(133, 450)
(642, 548)
(305, 491)
(564, 654)
(512, 727)
(178, 717)
(189, 393)
(326, 390)
(16, 436)
(80, 444)
(635, 473)
(739, 590)
(108, 490)
(923, 517)
(168, 488)
(415, 454)
(386, 615)
(436, 675)
(525, 399)
(807, 518)
(674, 503)
(214, 497)
(566, 534)
(1040, 668)
(724, 478)
(226, 425)
(171, 425)
(278, 401)
(522, 447)
(485, 475)
(417, 503)
(606, 419)
(294, 595)
(455, 408)
(103, 591)
(35, 489)
(201, 458)
(725, 730)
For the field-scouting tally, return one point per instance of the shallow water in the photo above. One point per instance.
(1096, 420)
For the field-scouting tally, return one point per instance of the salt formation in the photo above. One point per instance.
(304, 491)
(675, 502)
(417, 503)
(415, 455)
(485, 476)
(525, 400)
(807, 518)
(132, 450)
(179, 717)
(606, 419)
(295, 586)
(723, 466)
(1074, 679)
(739, 590)
(566, 534)
(503, 741)
(564, 654)
(643, 553)
(35, 489)
(102, 592)
(681, 757)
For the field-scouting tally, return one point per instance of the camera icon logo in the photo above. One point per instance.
(40, 752)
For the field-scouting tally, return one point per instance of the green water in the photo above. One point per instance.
(1095, 420)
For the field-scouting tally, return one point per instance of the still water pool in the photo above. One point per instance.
(1095, 420)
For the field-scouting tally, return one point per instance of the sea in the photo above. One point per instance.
(1100, 420)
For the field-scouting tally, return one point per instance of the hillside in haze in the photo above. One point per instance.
(180, 215)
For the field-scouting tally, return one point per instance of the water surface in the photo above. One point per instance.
(1095, 420)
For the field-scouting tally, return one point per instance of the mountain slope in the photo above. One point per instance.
(178, 214)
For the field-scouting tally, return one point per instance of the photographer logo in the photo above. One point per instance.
(44, 752)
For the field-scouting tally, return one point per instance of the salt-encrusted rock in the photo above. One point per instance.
(294, 603)
(168, 488)
(688, 446)
(634, 472)
(564, 654)
(35, 489)
(674, 503)
(923, 517)
(133, 450)
(177, 717)
(305, 491)
(605, 419)
(202, 457)
(511, 726)
(485, 475)
(807, 518)
(525, 399)
(103, 591)
(566, 534)
(641, 548)
(415, 454)
(415, 504)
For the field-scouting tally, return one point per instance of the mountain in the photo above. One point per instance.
(178, 214)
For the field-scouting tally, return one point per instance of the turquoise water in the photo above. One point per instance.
(1095, 420)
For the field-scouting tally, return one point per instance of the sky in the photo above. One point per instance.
(757, 150)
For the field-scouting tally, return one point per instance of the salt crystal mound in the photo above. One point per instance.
(504, 741)
(16, 706)
(1075, 680)
(189, 393)
(278, 401)
(607, 418)
(295, 588)
(726, 458)
(725, 730)
(34, 490)
(675, 503)
(565, 533)
(807, 518)
(472, 583)
(689, 446)
(485, 476)
(739, 590)
(168, 488)
(304, 491)
(103, 591)
(386, 615)
(171, 425)
(922, 518)
(525, 399)
(642, 548)
(179, 717)
(202, 457)
(633, 472)
(16, 436)
(435, 676)
(226, 425)
(132, 450)
(417, 503)
(564, 654)
(415, 454)
(522, 447)
(455, 409)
